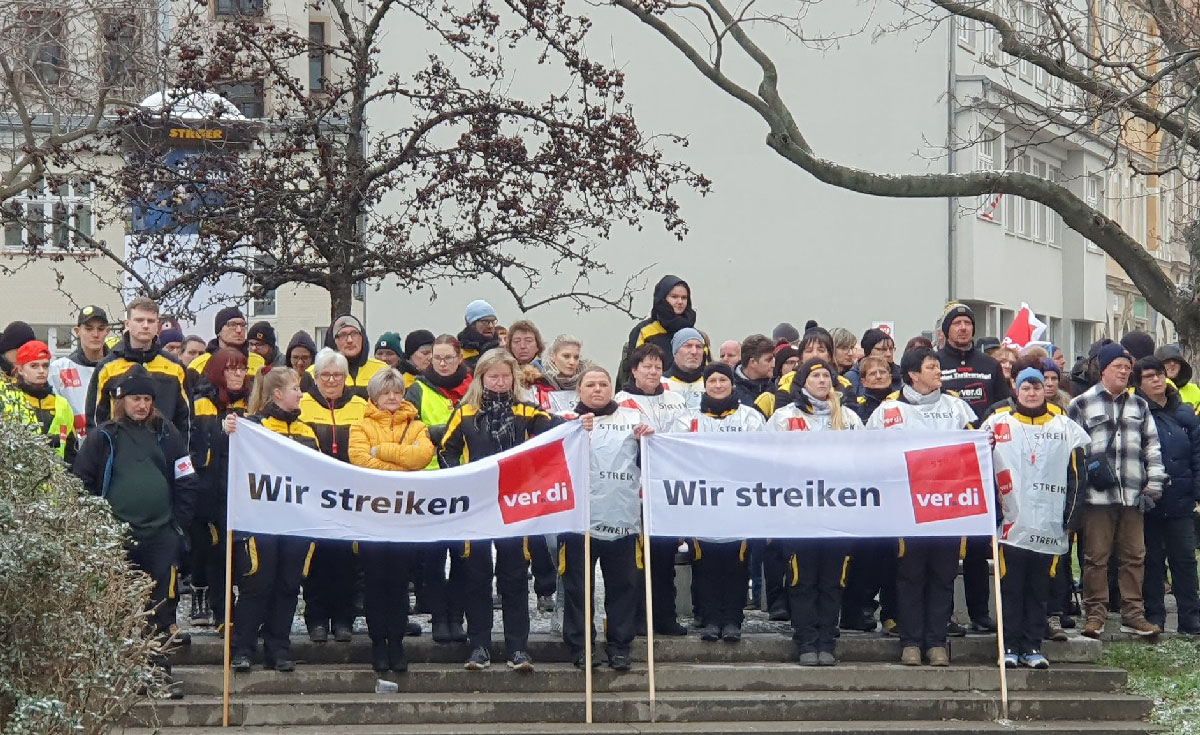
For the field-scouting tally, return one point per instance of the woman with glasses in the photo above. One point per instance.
(330, 407)
(347, 336)
(435, 394)
(222, 392)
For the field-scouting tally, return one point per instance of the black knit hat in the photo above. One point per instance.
(226, 314)
(954, 311)
(807, 368)
(718, 367)
(15, 335)
(135, 383)
(872, 337)
(415, 340)
(263, 332)
(1139, 344)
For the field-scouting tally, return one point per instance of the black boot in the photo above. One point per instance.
(396, 655)
(201, 614)
(457, 634)
(380, 660)
(441, 631)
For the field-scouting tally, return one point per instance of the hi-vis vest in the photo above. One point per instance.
(615, 480)
(793, 418)
(691, 392)
(742, 418)
(948, 413)
(658, 411)
(1032, 459)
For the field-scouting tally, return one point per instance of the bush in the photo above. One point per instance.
(75, 648)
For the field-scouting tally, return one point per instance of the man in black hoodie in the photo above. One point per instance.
(347, 335)
(671, 311)
(301, 351)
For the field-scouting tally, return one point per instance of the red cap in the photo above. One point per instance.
(31, 351)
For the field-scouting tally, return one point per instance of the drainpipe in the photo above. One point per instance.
(951, 202)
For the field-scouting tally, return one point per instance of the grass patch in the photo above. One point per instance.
(1169, 673)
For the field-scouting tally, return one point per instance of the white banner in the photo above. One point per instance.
(278, 486)
(818, 484)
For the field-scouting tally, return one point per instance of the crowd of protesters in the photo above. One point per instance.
(1112, 445)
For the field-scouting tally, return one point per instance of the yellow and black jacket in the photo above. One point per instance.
(467, 436)
(474, 344)
(210, 451)
(54, 418)
(287, 423)
(782, 396)
(660, 327)
(331, 420)
(166, 373)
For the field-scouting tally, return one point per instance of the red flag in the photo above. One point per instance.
(1025, 328)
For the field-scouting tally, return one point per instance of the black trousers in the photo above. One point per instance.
(541, 562)
(205, 561)
(872, 572)
(512, 582)
(1062, 583)
(388, 568)
(330, 587)
(269, 570)
(618, 562)
(721, 576)
(815, 592)
(925, 575)
(662, 583)
(443, 595)
(157, 554)
(775, 572)
(1171, 541)
(977, 577)
(1025, 585)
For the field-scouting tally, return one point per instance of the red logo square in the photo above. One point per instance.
(70, 378)
(1004, 482)
(945, 482)
(1002, 432)
(535, 483)
(892, 417)
(797, 423)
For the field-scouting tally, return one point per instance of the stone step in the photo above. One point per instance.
(670, 677)
(754, 647)
(692, 706)
(783, 727)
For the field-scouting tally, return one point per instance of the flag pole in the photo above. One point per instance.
(996, 561)
(649, 593)
(228, 630)
(589, 624)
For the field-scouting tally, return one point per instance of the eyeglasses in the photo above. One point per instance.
(444, 360)
(488, 322)
(238, 369)
(879, 374)
(331, 377)
(346, 334)
(235, 325)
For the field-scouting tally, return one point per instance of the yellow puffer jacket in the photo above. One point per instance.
(401, 442)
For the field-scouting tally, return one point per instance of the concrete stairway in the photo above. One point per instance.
(702, 688)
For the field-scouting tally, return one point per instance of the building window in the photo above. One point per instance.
(55, 216)
(264, 305)
(966, 33)
(316, 57)
(47, 49)
(240, 7)
(247, 97)
(119, 44)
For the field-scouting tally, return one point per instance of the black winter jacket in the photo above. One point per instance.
(210, 452)
(1179, 439)
(467, 437)
(973, 377)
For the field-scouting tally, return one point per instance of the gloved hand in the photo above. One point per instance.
(1144, 502)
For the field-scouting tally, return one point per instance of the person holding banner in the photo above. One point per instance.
(817, 565)
(719, 567)
(1036, 456)
(389, 437)
(331, 407)
(435, 394)
(927, 567)
(491, 420)
(270, 568)
(659, 408)
(615, 523)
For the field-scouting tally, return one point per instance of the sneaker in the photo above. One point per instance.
(620, 662)
(825, 658)
(545, 603)
(891, 628)
(731, 633)
(284, 665)
(480, 659)
(710, 633)
(318, 633)
(1093, 628)
(1141, 627)
(1054, 629)
(954, 630)
(809, 659)
(343, 633)
(241, 663)
(672, 629)
(938, 656)
(910, 656)
(982, 625)
(413, 630)
(441, 631)
(1034, 660)
(779, 614)
(521, 662)
(580, 661)
(1011, 659)
(1068, 622)
(201, 614)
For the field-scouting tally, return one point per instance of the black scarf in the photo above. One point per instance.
(40, 393)
(672, 322)
(273, 411)
(496, 411)
(608, 410)
(878, 394)
(1032, 413)
(438, 380)
(632, 389)
(718, 406)
(687, 376)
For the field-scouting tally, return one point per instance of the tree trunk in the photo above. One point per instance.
(340, 298)
(1187, 325)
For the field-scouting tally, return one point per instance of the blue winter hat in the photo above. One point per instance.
(1030, 373)
(683, 336)
(479, 309)
(1112, 351)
